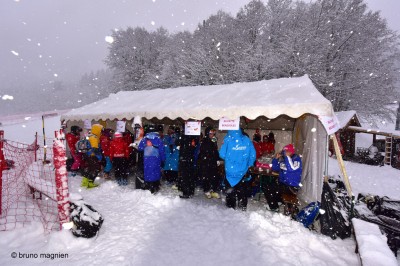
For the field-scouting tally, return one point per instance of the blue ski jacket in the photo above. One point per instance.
(239, 154)
(171, 153)
(153, 155)
(289, 170)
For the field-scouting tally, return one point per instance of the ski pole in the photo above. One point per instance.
(44, 141)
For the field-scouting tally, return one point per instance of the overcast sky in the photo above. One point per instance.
(51, 40)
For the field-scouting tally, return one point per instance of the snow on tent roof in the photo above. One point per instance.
(270, 98)
(344, 117)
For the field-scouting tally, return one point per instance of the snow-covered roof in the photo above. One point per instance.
(270, 98)
(345, 117)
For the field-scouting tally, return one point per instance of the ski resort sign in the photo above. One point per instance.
(229, 124)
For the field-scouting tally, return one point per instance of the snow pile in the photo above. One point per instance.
(144, 229)
(369, 179)
(372, 244)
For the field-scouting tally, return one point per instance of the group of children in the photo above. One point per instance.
(183, 161)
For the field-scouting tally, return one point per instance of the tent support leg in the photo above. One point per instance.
(343, 169)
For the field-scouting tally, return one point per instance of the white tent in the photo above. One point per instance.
(290, 101)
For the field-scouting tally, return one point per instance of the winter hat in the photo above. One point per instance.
(117, 135)
(76, 129)
(137, 121)
(150, 128)
(289, 148)
(257, 137)
(108, 132)
(207, 131)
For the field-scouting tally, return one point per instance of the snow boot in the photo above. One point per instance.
(207, 194)
(85, 182)
(91, 184)
(215, 195)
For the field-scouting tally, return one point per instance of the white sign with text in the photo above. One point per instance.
(229, 124)
(192, 128)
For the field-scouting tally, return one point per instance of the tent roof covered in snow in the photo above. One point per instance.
(312, 115)
(270, 98)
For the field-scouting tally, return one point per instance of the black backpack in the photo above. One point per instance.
(87, 221)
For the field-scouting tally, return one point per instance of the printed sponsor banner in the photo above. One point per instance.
(192, 128)
(229, 124)
(87, 124)
(331, 124)
(121, 126)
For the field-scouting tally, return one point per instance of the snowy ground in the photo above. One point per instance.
(162, 229)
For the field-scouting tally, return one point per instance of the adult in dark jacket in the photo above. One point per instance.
(153, 157)
(289, 166)
(208, 158)
(239, 154)
(187, 149)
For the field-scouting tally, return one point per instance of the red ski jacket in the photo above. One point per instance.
(72, 139)
(119, 148)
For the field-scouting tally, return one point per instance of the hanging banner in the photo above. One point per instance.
(331, 124)
(229, 124)
(120, 126)
(87, 124)
(192, 128)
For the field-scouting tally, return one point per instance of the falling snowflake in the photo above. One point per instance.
(7, 97)
(153, 23)
(14, 53)
(109, 39)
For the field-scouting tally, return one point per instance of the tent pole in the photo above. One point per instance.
(343, 169)
(326, 156)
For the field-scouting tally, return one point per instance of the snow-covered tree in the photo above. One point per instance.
(348, 51)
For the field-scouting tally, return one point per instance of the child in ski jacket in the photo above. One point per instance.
(119, 155)
(153, 156)
(105, 141)
(72, 138)
(171, 155)
(92, 158)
